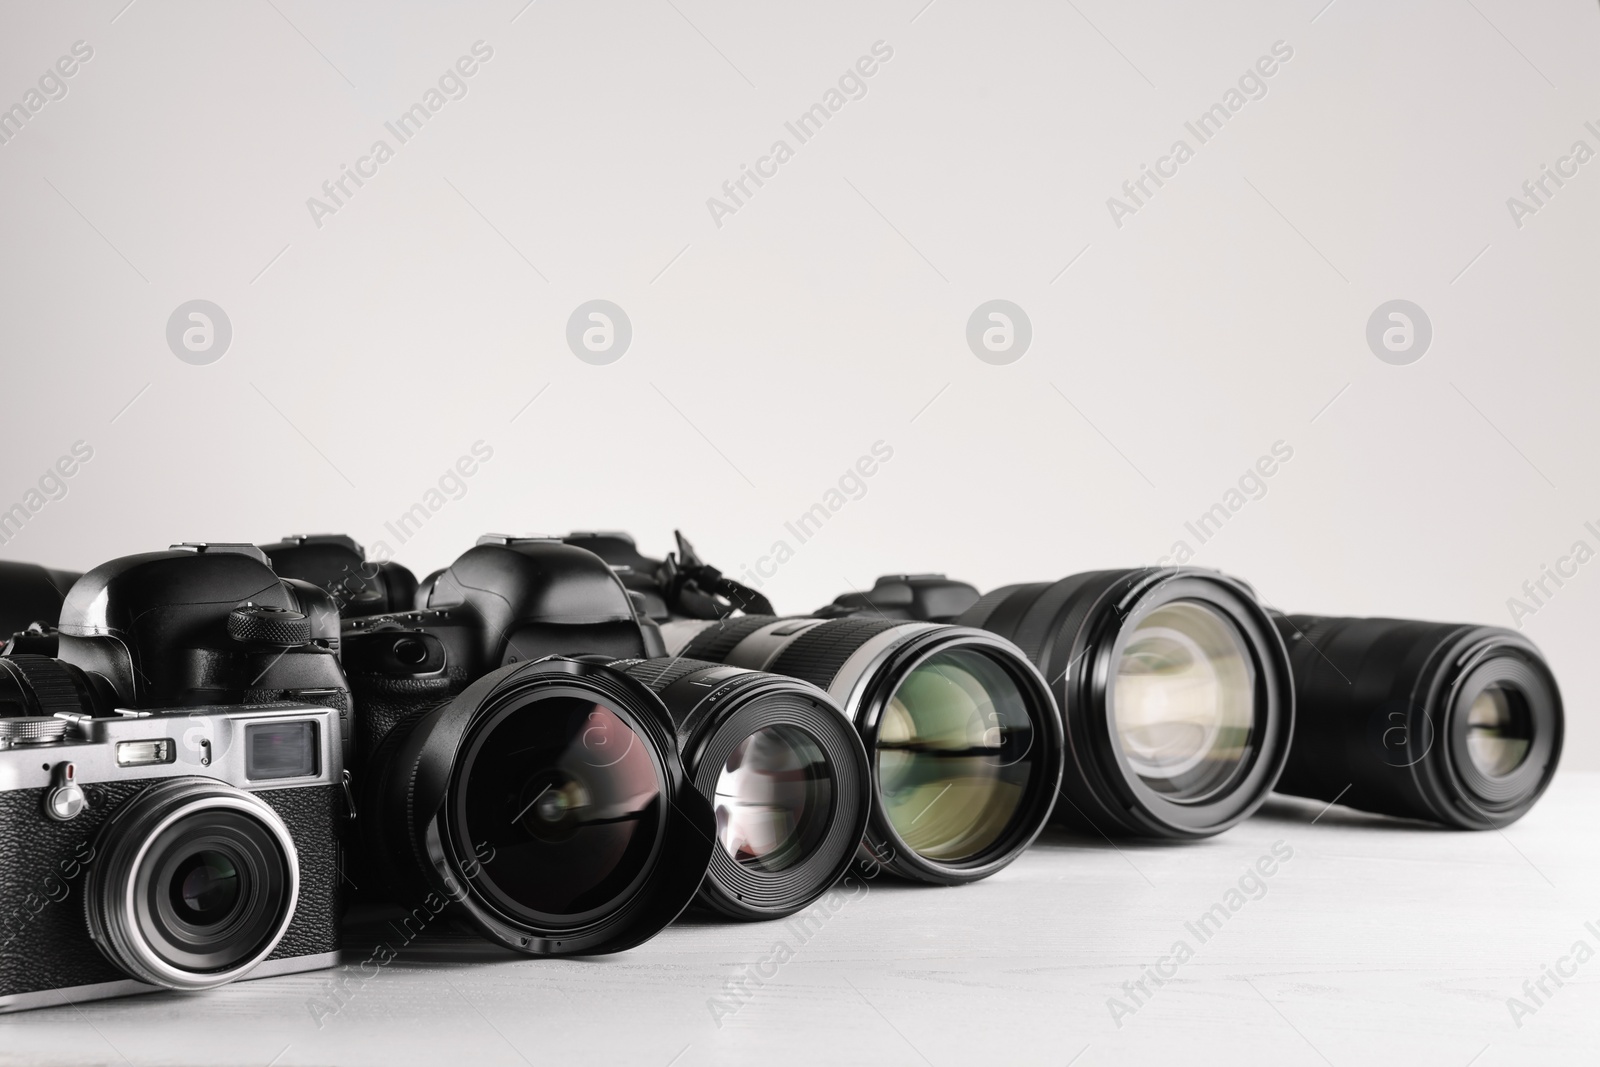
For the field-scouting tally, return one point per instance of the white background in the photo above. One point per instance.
(830, 311)
(768, 354)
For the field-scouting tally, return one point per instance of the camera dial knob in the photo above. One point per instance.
(65, 800)
(32, 730)
(257, 624)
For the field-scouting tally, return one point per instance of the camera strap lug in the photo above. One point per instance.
(349, 794)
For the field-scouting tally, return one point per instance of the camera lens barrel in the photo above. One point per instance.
(43, 685)
(786, 775)
(196, 883)
(1448, 722)
(963, 738)
(1175, 691)
(546, 805)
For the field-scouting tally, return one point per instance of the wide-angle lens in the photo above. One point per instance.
(773, 798)
(196, 883)
(213, 890)
(1183, 700)
(568, 801)
(546, 805)
(1499, 731)
(953, 755)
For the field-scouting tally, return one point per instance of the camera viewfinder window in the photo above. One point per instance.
(280, 750)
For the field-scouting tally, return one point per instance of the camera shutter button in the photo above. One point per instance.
(65, 800)
(258, 624)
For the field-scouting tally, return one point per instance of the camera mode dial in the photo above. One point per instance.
(255, 624)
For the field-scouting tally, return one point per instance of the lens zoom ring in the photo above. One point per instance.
(816, 655)
(660, 673)
(1061, 611)
(978, 615)
(715, 642)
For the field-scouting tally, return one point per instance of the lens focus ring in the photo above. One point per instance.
(818, 655)
(52, 683)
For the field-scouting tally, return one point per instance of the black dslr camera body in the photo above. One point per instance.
(922, 597)
(170, 786)
(203, 624)
(682, 586)
(30, 604)
(338, 565)
(509, 777)
(506, 600)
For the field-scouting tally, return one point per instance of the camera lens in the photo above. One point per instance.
(963, 740)
(1499, 730)
(197, 884)
(773, 798)
(546, 804)
(567, 798)
(1175, 691)
(206, 888)
(43, 685)
(784, 771)
(1449, 722)
(953, 754)
(1183, 700)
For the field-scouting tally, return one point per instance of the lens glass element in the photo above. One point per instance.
(955, 753)
(562, 807)
(214, 887)
(206, 887)
(1183, 700)
(1499, 731)
(774, 798)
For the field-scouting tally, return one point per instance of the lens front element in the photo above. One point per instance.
(207, 888)
(197, 884)
(212, 891)
(567, 800)
(774, 798)
(1184, 700)
(955, 753)
(1499, 730)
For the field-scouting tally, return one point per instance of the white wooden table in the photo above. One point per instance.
(1373, 942)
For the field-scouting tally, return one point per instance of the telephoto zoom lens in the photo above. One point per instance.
(784, 771)
(1448, 722)
(963, 740)
(1175, 690)
(545, 805)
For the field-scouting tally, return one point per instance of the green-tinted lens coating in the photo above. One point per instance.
(955, 754)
